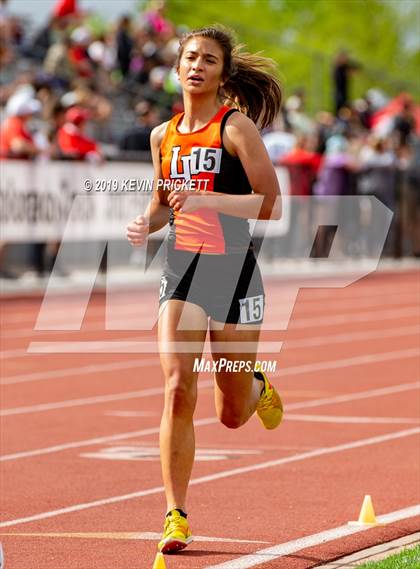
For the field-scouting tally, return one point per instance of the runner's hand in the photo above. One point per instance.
(185, 202)
(137, 231)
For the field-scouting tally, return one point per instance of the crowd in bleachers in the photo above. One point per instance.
(69, 91)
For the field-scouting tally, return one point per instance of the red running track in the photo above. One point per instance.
(80, 477)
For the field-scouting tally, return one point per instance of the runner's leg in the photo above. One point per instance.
(236, 393)
(177, 443)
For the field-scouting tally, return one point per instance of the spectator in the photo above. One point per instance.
(15, 139)
(155, 18)
(57, 62)
(405, 123)
(56, 119)
(323, 129)
(83, 95)
(138, 138)
(155, 93)
(78, 53)
(302, 164)
(124, 45)
(334, 180)
(72, 141)
(103, 55)
(279, 141)
(38, 47)
(378, 177)
(6, 35)
(296, 116)
(342, 69)
(16, 142)
(364, 110)
(304, 159)
(411, 202)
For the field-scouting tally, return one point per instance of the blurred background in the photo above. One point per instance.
(83, 82)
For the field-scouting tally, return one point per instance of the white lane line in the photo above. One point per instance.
(89, 400)
(304, 404)
(351, 318)
(347, 362)
(272, 553)
(132, 413)
(272, 319)
(216, 476)
(380, 392)
(293, 370)
(96, 441)
(353, 419)
(129, 344)
(351, 337)
(72, 371)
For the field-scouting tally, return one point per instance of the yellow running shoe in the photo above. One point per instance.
(176, 533)
(270, 407)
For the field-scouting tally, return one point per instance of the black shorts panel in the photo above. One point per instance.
(228, 287)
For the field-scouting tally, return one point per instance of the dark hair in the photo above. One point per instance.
(250, 83)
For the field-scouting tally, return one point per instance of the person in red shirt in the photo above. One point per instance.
(78, 55)
(16, 142)
(71, 139)
(15, 139)
(302, 165)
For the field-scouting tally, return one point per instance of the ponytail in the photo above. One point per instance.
(253, 88)
(250, 84)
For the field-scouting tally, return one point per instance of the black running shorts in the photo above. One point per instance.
(228, 287)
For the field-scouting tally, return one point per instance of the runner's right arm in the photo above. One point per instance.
(156, 215)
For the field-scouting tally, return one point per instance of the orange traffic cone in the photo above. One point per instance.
(159, 562)
(367, 514)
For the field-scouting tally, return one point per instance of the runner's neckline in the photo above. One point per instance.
(199, 129)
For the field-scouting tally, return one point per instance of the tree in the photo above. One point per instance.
(302, 36)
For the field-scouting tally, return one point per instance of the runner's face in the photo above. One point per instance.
(201, 66)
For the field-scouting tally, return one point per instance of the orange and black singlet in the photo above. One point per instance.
(200, 157)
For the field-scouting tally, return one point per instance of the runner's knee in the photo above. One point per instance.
(180, 394)
(231, 419)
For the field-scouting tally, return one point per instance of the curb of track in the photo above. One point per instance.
(375, 553)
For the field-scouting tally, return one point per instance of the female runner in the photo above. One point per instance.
(211, 280)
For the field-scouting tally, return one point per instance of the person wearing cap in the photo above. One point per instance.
(15, 139)
(80, 38)
(72, 141)
(16, 142)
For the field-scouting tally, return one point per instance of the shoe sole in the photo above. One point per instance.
(174, 545)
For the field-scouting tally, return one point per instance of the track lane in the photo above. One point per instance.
(367, 464)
